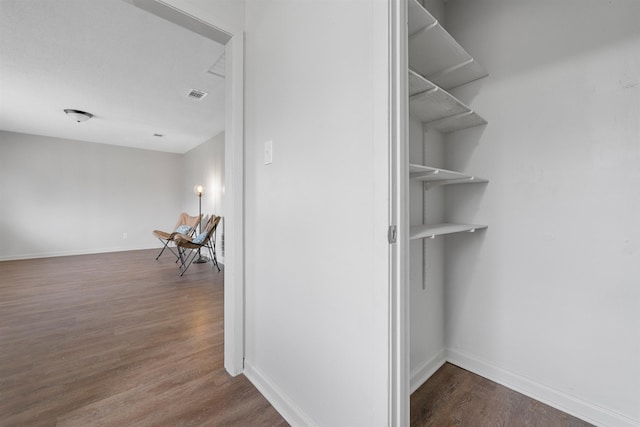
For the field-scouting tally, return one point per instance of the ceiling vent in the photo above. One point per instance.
(197, 94)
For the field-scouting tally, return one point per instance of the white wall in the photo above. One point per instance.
(61, 197)
(204, 165)
(548, 299)
(316, 219)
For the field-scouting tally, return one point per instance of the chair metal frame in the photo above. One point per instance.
(183, 243)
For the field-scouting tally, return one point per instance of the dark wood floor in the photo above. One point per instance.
(118, 339)
(455, 397)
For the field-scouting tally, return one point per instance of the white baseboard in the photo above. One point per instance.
(570, 404)
(73, 253)
(279, 400)
(421, 374)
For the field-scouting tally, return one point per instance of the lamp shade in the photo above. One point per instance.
(198, 189)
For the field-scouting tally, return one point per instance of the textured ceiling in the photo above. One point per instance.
(130, 69)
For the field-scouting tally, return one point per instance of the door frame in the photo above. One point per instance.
(233, 191)
(399, 321)
(234, 207)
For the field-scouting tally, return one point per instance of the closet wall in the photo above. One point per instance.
(426, 262)
(547, 301)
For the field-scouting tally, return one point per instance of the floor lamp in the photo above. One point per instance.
(199, 190)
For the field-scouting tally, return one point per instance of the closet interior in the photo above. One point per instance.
(437, 65)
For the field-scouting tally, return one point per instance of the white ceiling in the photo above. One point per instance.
(130, 69)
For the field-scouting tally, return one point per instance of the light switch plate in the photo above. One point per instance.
(268, 152)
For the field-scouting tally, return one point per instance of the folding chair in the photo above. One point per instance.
(186, 226)
(206, 239)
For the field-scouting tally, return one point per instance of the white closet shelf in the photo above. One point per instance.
(441, 176)
(433, 230)
(437, 108)
(435, 54)
(418, 84)
(460, 121)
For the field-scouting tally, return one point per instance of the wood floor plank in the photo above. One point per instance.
(118, 340)
(456, 397)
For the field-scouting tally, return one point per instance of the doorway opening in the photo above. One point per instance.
(233, 196)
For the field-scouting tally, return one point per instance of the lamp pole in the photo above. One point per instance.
(199, 190)
(200, 212)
